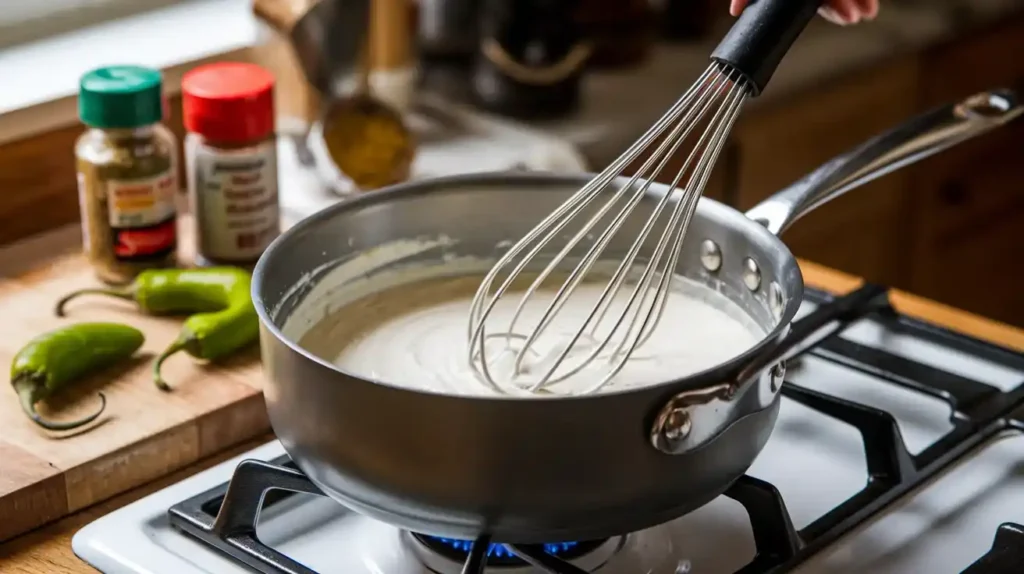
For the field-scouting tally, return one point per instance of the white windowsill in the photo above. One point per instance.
(39, 80)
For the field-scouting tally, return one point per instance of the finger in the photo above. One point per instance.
(846, 11)
(736, 7)
(831, 15)
(868, 8)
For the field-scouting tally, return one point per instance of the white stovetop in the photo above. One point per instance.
(815, 462)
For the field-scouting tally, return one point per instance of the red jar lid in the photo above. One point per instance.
(229, 102)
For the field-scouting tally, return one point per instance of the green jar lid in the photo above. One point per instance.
(120, 97)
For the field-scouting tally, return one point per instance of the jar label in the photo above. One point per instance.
(236, 201)
(83, 205)
(142, 216)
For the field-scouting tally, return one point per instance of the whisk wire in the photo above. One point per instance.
(576, 203)
(714, 85)
(593, 187)
(731, 109)
(690, 198)
(672, 235)
(675, 139)
(673, 142)
(582, 196)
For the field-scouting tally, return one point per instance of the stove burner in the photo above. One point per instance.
(225, 516)
(501, 555)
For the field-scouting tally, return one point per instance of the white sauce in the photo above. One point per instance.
(415, 336)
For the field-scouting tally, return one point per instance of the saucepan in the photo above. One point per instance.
(527, 470)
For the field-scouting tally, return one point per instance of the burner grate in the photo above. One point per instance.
(225, 517)
(1007, 554)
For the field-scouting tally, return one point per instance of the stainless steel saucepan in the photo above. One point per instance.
(571, 468)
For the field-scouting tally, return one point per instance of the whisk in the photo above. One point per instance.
(740, 68)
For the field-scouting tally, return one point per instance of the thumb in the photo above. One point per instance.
(736, 7)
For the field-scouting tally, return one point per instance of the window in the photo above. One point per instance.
(24, 21)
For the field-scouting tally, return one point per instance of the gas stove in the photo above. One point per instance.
(898, 449)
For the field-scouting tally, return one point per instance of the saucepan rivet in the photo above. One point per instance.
(751, 274)
(677, 425)
(710, 255)
(778, 375)
(775, 299)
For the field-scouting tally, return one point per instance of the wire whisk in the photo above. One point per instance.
(506, 332)
(715, 94)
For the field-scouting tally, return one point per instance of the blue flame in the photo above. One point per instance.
(501, 551)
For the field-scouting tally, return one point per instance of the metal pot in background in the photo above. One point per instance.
(326, 36)
(448, 30)
(531, 59)
(571, 468)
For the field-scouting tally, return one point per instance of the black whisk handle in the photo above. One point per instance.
(761, 37)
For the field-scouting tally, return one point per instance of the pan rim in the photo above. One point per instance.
(701, 379)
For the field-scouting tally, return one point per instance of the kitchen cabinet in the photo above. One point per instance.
(862, 232)
(969, 204)
(972, 264)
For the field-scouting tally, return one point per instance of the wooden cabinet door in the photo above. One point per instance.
(862, 232)
(970, 202)
(975, 264)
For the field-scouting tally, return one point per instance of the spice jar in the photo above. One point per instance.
(126, 171)
(231, 161)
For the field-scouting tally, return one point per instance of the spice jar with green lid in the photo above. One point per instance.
(127, 178)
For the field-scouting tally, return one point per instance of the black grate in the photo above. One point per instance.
(225, 516)
(1007, 554)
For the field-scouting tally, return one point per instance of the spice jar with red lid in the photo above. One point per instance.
(231, 161)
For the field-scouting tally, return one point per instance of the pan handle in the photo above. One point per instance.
(683, 423)
(918, 138)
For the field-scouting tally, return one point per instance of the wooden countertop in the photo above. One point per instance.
(48, 549)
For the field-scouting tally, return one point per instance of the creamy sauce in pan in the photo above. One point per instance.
(415, 336)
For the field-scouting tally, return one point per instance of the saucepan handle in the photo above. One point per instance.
(814, 327)
(676, 427)
(761, 37)
(916, 139)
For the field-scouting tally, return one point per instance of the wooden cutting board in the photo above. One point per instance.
(144, 434)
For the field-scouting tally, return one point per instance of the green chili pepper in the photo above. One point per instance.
(61, 357)
(225, 319)
(176, 291)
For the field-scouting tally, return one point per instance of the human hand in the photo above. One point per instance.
(842, 12)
